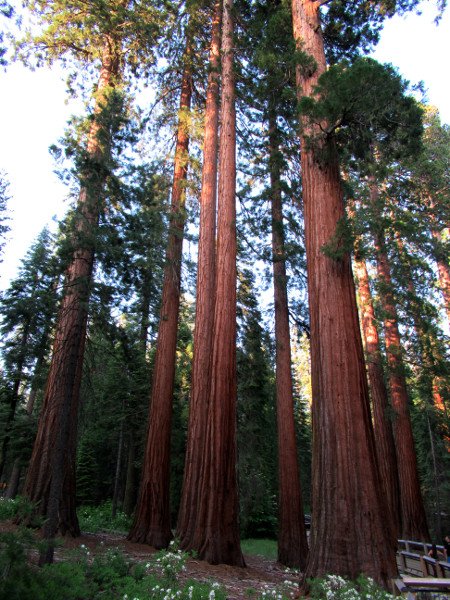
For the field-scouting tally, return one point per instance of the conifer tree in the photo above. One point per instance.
(28, 308)
(413, 518)
(292, 543)
(152, 523)
(341, 413)
(4, 197)
(384, 437)
(187, 530)
(216, 536)
(257, 468)
(113, 37)
(270, 101)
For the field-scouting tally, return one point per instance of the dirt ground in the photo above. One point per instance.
(238, 582)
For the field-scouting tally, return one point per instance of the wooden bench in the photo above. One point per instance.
(426, 584)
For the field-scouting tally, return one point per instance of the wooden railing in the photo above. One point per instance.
(419, 571)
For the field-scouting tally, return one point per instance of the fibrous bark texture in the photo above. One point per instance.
(349, 534)
(382, 417)
(443, 271)
(292, 541)
(413, 518)
(217, 531)
(204, 315)
(50, 479)
(152, 518)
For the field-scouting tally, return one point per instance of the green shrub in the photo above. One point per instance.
(7, 509)
(99, 518)
(106, 575)
(170, 563)
(334, 587)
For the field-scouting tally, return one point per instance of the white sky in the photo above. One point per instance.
(33, 114)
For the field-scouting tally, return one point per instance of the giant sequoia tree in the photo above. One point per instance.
(101, 36)
(349, 535)
(152, 521)
(216, 534)
(201, 366)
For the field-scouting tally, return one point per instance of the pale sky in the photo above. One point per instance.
(33, 114)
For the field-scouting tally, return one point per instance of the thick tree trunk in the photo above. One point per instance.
(413, 518)
(204, 315)
(382, 423)
(292, 541)
(349, 534)
(152, 519)
(428, 357)
(55, 445)
(217, 531)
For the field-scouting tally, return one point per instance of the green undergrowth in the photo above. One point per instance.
(93, 519)
(106, 575)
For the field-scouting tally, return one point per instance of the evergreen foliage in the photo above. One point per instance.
(4, 218)
(257, 464)
(28, 309)
(385, 139)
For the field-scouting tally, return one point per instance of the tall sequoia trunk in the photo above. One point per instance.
(382, 424)
(349, 534)
(428, 357)
(413, 518)
(152, 518)
(443, 270)
(50, 480)
(217, 531)
(204, 315)
(292, 541)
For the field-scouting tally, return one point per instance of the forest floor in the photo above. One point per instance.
(260, 574)
(239, 582)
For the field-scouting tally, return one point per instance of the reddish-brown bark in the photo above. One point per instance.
(382, 420)
(201, 366)
(413, 519)
(51, 473)
(349, 534)
(152, 517)
(443, 271)
(217, 532)
(292, 541)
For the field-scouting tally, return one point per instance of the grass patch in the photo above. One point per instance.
(263, 547)
(99, 518)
